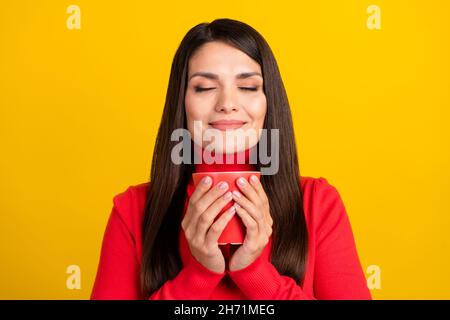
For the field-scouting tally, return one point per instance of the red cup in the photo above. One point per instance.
(234, 232)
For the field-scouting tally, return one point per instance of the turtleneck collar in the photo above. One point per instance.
(227, 162)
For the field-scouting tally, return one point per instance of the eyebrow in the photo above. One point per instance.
(214, 76)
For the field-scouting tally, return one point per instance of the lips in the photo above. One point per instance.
(227, 124)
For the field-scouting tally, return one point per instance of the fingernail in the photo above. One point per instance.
(254, 179)
(223, 185)
(232, 210)
(237, 205)
(227, 196)
(237, 194)
(241, 181)
(207, 180)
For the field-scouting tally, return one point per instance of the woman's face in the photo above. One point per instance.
(225, 92)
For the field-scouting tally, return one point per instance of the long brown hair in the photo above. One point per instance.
(168, 181)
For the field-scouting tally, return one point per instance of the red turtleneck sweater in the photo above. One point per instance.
(333, 269)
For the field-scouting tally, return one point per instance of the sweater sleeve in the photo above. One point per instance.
(338, 272)
(194, 282)
(260, 280)
(118, 270)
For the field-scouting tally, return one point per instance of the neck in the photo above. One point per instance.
(218, 162)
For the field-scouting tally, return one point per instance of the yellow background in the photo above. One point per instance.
(80, 109)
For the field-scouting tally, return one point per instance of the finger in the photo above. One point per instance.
(256, 236)
(211, 195)
(254, 181)
(206, 218)
(250, 224)
(201, 204)
(255, 212)
(201, 188)
(267, 228)
(247, 189)
(212, 237)
(249, 206)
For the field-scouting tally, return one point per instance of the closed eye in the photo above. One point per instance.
(200, 89)
(249, 88)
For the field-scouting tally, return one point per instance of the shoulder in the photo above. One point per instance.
(317, 187)
(132, 194)
(321, 201)
(307, 181)
(130, 204)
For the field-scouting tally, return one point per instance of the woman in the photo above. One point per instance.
(161, 238)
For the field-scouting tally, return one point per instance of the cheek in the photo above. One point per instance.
(256, 109)
(197, 109)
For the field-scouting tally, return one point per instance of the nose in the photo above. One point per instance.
(226, 102)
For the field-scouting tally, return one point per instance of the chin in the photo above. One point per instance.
(240, 147)
(232, 149)
(233, 143)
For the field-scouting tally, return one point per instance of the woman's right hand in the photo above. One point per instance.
(201, 233)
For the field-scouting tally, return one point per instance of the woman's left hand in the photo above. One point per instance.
(252, 205)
